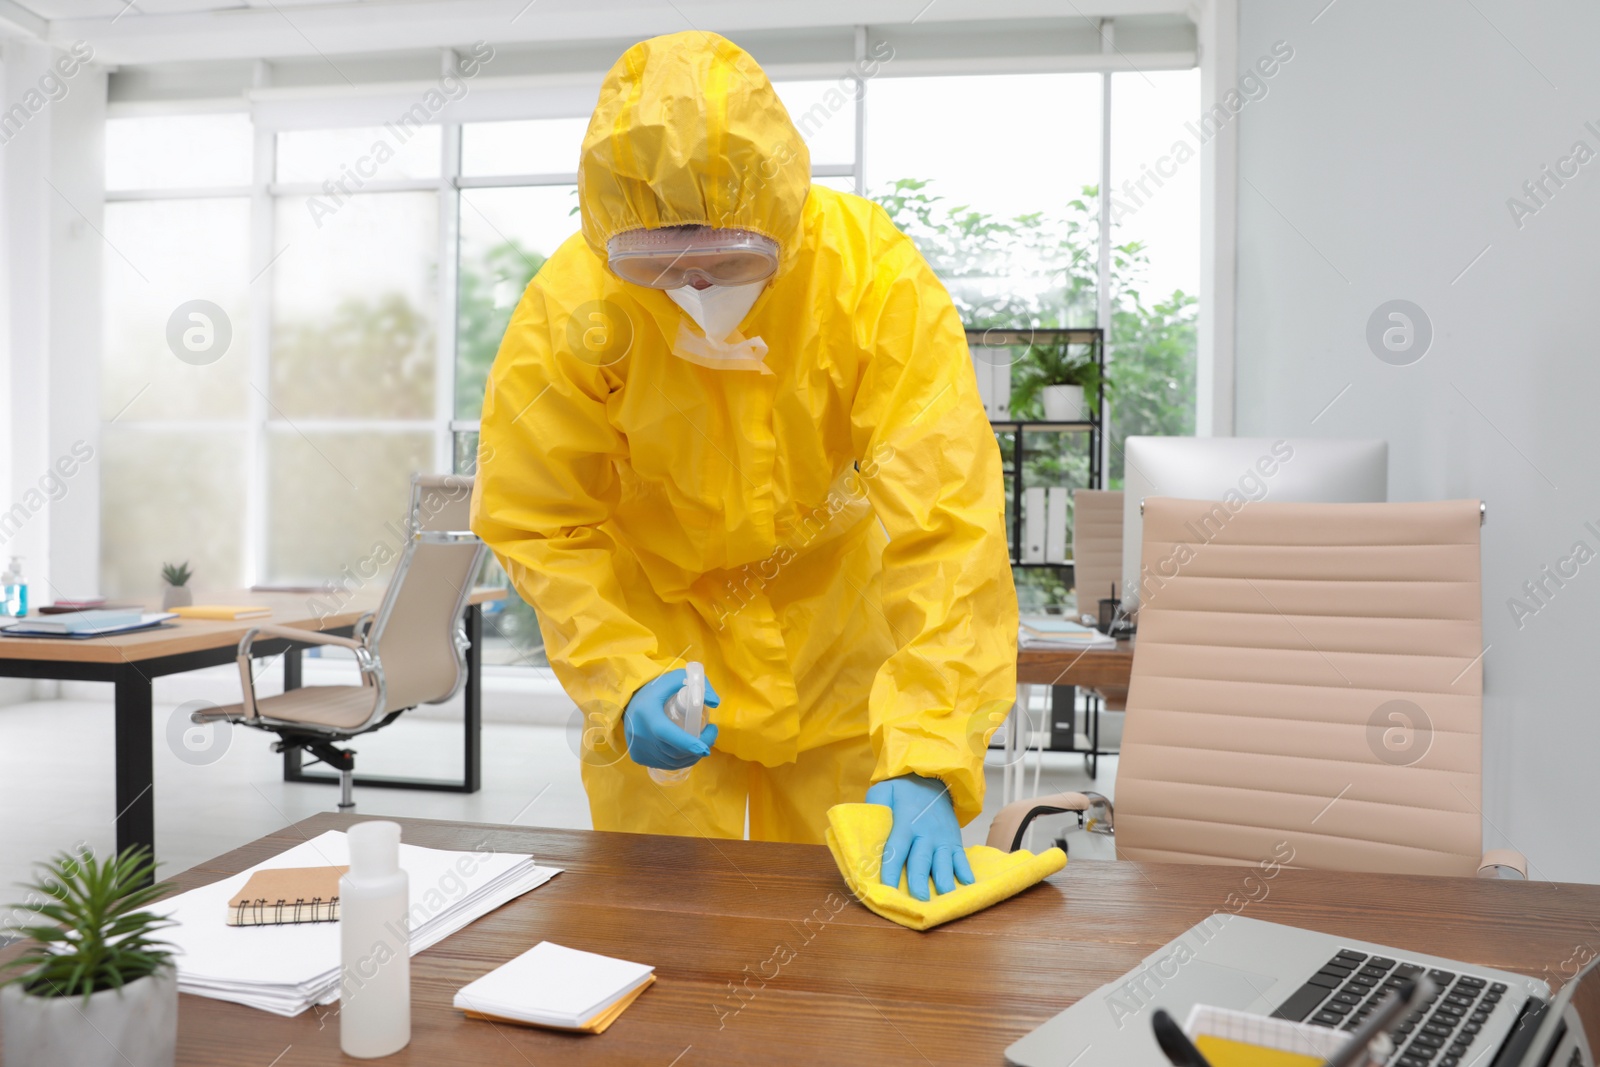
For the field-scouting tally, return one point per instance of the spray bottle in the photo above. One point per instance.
(687, 710)
(13, 590)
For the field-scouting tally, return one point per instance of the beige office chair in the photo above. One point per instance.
(1308, 676)
(411, 651)
(1096, 546)
(1097, 567)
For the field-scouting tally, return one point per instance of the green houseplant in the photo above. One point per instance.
(95, 987)
(1062, 384)
(175, 579)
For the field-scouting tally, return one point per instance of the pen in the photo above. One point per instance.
(1174, 1042)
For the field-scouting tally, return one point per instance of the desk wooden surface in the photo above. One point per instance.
(1091, 668)
(846, 986)
(299, 610)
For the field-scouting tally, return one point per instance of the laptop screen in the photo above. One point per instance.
(1571, 1028)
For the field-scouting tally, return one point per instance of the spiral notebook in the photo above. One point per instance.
(275, 896)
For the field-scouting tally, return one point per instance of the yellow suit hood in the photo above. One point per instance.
(689, 131)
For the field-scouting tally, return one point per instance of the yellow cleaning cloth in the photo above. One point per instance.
(856, 836)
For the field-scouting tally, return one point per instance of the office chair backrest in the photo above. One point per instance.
(1096, 546)
(1307, 683)
(441, 502)
(417, 633)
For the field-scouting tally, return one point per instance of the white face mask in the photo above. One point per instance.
(719, 309)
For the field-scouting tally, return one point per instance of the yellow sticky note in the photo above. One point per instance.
(1225, 1052)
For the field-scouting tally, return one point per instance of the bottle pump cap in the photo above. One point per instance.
(374, 849)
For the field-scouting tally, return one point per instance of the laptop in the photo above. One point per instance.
(1481, 1017)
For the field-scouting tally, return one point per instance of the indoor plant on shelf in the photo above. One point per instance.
(96, 988)
(175, 585)
(1065, 383)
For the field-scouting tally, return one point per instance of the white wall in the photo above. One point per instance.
(1378, 167)
(51, 141)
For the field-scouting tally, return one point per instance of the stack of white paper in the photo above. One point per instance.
(1053, 631)
(552, 985)
(286, 969)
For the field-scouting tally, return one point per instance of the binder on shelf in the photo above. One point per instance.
(1033, 525)
(1055, 525)
(994, 385)
(1000, 391)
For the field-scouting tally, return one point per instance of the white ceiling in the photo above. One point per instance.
(94, 9)
(160, 31)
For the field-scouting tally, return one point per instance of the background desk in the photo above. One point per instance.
(823, 981)
(1105, 670)
(131, 661)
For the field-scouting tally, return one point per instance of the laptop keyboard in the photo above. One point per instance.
(1438, 1034)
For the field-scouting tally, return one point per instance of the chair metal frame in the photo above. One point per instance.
(365, 643)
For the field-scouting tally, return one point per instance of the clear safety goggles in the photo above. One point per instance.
(671, 257)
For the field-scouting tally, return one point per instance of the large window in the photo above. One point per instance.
(300, 317)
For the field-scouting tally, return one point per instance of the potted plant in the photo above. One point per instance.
(95, 989)
(175, 593)
(1065, 383)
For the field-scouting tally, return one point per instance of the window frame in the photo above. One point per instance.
(444, 428)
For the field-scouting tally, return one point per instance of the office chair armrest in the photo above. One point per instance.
(1503, 863)
(247, 680)
(295, 633)
(1011, 822)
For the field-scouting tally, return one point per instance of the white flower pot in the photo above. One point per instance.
(135, 1026)
(1064, 403)
(175, 596)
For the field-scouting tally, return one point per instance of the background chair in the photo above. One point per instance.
(1308, 677)
(1096, 546)
(1097, 573)
(411, 651)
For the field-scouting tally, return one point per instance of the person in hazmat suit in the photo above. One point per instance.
(734, 421)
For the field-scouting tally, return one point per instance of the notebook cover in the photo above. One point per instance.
(280, 895)
(150, 621)
(597, 1025)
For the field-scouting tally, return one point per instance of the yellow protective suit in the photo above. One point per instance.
(826, 537)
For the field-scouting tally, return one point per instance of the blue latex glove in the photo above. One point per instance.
(654, 740)
(925, 838)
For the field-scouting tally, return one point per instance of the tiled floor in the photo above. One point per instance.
(56, 784)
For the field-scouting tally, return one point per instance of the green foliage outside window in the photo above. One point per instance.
(1041, 271)
(1030, 270)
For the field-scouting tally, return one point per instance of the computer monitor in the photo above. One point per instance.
(1245, 469)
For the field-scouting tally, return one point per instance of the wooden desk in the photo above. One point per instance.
(820, 979)
(1105, 670)
(1091, 668)
(132, 661)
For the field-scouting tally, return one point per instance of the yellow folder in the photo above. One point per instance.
(597, 1025)
(226, 612)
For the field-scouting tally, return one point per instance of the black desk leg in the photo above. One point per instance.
(135, 789)
(1094, 738)
(292, 679)
(1063, 718)
(472, 703)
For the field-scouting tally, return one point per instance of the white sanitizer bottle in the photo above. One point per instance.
(687, 708)
(375, 945)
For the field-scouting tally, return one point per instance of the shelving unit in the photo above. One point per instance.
(1062, 701)
(1019, 340)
